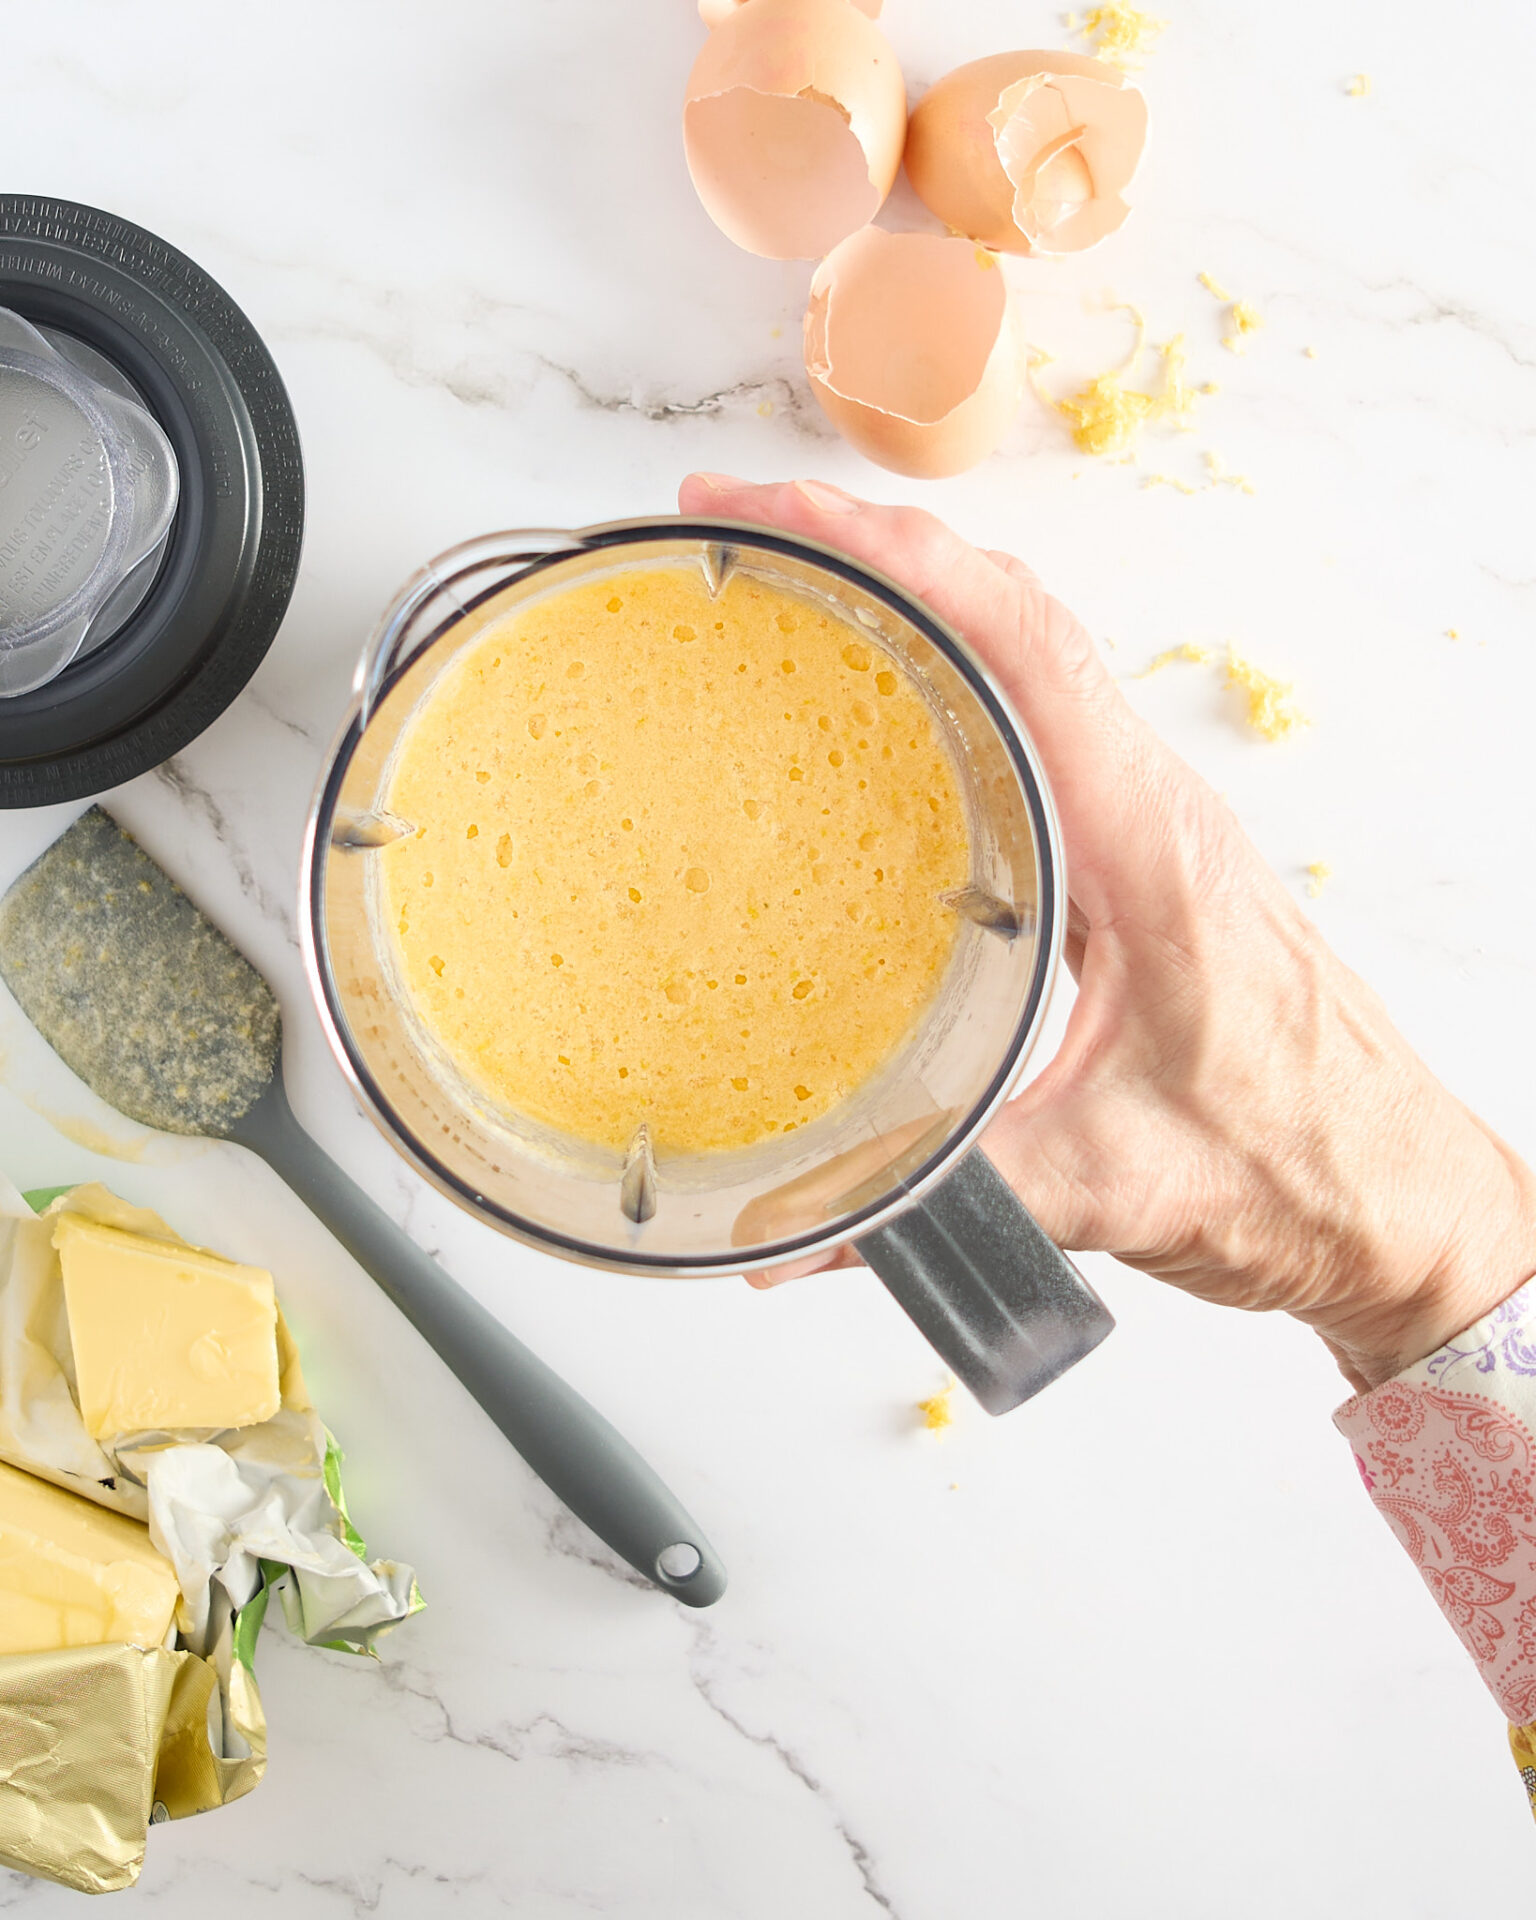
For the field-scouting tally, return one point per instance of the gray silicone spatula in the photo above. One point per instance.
(163, 1019)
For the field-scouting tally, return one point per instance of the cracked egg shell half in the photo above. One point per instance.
(1029, 152)
(911, 350)
(794, 122)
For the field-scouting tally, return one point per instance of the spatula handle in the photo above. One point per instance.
(566, 1442)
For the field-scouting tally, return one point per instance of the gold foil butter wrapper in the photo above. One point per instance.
(99, 1743)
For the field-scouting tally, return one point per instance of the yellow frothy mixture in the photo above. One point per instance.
(676, 859)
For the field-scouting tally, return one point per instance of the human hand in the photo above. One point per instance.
(1231, 1109)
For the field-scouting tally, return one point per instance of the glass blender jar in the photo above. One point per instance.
(892, 1169)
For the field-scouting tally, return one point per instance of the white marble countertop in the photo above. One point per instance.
(1141, 1647)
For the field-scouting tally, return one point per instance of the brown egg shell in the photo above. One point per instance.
(911, 351)
(794, 123)
(976, 142)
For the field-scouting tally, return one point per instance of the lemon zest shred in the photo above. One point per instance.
(1319, 873)
(1271, 705)
(1243, 318)
(1216, 476)
(1359, 88)
(1118, 31)
(1107, 415)
(1190, 650)
(937, 1412)
(1178, 397)
(1216, 468)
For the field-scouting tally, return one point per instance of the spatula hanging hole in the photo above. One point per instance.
(986, 910)
(717, 563)
(357, 832)
(679, 1562)
(637, 1189)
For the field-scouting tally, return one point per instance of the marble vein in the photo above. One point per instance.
(1512, 583)
(391, 326)
(475, 385)
(364, 1895)
(572, 1539)
(198, 799)
(544, 1734)
(788, 400)
(254, 697)
(706, 1685)
(1436, 308)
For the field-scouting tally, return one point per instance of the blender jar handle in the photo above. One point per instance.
(987, 1287)
(453, 583)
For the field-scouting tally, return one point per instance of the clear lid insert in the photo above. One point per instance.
(88, 490)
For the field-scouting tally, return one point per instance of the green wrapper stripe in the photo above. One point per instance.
(333, 1459)
(41, 1198)
(248, 1620)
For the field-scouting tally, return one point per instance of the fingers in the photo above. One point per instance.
(1011, 564)
(1041, 1147)
(962, 586)
(1042, 1154)
(1020, 632)
(985, 601)
(799, 1269)
(1096, 753)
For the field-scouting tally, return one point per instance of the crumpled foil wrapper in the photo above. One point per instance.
(97, 1743)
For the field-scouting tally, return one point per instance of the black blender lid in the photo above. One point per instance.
(83, 278)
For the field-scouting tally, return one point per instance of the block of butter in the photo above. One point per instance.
(165, 1336)
(74, 1575)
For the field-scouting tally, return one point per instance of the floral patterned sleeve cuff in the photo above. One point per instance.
(1447, 1451)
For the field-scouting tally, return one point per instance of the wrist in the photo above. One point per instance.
(1392, 1321)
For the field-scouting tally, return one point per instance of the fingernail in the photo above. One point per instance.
(827, 499)
(720, 482)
